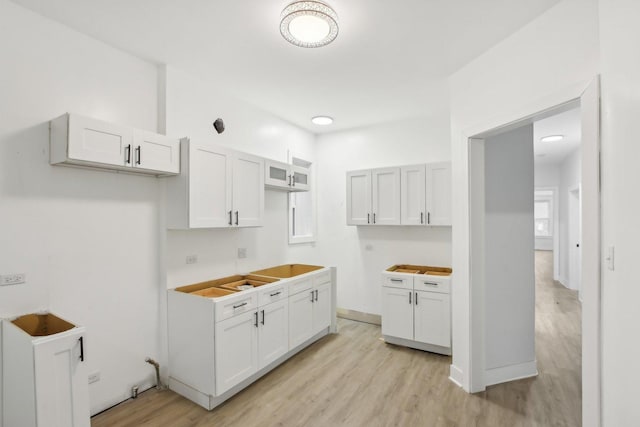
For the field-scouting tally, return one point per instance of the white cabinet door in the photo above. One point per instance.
(439, 193)
(248, 190)
(412, 195)
(236, 350)
(273, 336)
(322, 307)
(300, 318)
(62, 391)
(92, 140)
(276, 174)
(397, 313)
(300, 178)
(432, 318)
(359, 197)
(385, 201)
(155, 152)
(209, 186)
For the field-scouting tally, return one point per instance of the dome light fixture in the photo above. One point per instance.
(309, 23)
(322, 120)
(552, 138)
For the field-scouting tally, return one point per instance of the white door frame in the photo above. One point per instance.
(473, 381)
(574, 220)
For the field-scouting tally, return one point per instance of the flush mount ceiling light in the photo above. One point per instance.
(552, 138)
(322, 120)
(309, 23)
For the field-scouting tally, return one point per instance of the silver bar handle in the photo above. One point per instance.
(431, 284)
(312, 296)
(240, 305)
(416, 298)
(275, 293)
(421, 217)
(410, 293)
(397, 280)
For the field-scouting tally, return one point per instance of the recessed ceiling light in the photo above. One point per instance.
(322, 120)
(309, 23)
(552, 138)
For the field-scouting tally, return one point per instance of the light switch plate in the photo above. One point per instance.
(610, 258)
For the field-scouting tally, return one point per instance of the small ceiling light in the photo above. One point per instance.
(552, 138)
(309, 23)
(322, 120)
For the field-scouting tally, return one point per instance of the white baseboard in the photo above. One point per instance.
(456, 376)
(374, 319)
(504, 374)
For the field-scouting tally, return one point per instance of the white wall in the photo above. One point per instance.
(546, 175)
(419, 140)
(509, 257)
(570, 170)
(621, 204)
(548, 62)
(192, 106)
(87, 240)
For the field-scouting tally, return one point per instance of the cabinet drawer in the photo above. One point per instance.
(236, 304)
(273, 294)
(300, 285)
(397, 281)
(322, 278)
(432, 284)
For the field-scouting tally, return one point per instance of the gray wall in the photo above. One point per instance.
(509, 246)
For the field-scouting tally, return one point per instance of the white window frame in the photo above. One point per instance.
(307, 238)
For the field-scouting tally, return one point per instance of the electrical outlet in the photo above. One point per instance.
(192, 259)
(13, 279)
(94, 377)
(242, 252)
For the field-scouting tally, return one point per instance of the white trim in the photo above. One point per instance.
(456, 375)
(504, 374)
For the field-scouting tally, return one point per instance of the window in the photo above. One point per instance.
(543, 214)
(302, 212)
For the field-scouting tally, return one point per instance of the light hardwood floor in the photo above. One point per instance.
(355, 379)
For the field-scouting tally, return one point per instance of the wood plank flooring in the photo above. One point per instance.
(355, 379)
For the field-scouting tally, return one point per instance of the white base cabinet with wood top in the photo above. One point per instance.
(83, 141)
(220, 344)
(416, 311)
(45, 382)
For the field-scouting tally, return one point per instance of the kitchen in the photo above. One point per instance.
(94, 245)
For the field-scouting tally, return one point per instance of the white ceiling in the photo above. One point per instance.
(568, 124)
(389, 62)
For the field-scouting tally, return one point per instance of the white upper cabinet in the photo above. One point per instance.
(84, 141)
(407, 195)
(413, 195)
(248, 190)
(359, 197)
(283, 176)
(438, 179)
(373, 197)
(155, 152)
(218, 187)
(385, 200)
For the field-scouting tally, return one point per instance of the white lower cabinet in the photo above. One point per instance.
(45, 381)
(432, 317)
(309, 313)
(397, 313)
(273, 336)
(300, 318)
(236, 357)
(416, 311)
(219, 345)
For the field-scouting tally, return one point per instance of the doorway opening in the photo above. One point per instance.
(502, 254)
